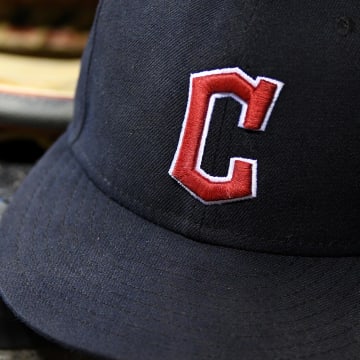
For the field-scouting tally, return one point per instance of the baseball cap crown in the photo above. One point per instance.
(133, 96)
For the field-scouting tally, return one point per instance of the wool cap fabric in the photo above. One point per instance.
(204, 202)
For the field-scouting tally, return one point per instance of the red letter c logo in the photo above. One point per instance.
(257, 98)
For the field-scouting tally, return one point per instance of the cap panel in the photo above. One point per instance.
(81, 97)
(137, 96)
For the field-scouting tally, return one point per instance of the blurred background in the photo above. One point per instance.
(41, 42)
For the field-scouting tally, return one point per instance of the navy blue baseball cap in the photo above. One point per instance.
(204, 202)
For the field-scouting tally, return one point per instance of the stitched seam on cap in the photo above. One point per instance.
(148, 210)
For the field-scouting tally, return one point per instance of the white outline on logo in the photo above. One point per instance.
(228, 177)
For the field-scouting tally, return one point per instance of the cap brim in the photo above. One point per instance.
(85, 271)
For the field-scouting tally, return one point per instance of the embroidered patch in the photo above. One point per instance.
(257, 98)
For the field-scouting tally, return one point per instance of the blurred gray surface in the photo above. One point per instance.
(11, 176)
(36, 111)
(19, 355)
